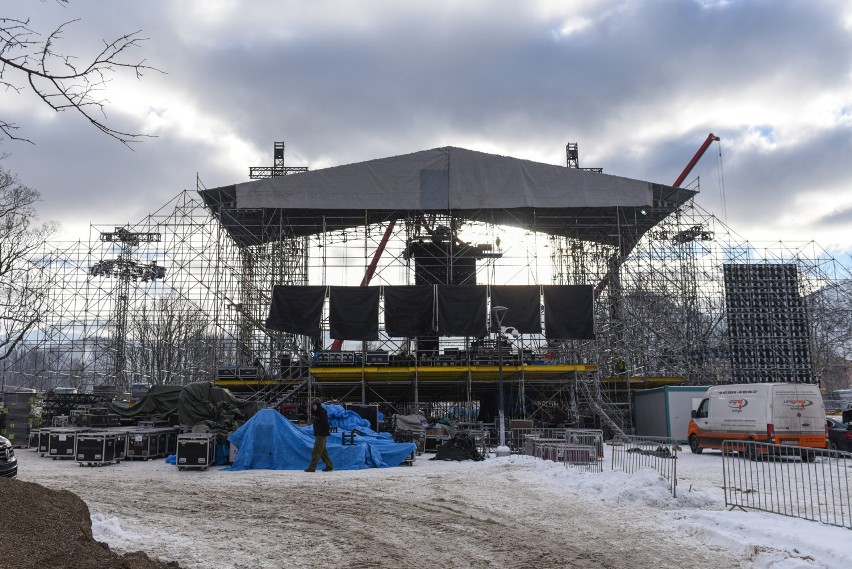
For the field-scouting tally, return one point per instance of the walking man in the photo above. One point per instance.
(321, 431)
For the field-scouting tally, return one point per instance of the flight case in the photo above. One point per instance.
(62, 442)
(151, 442)
(95, 449)
(195, 450)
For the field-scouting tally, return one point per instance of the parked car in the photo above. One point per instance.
(839, 434)
(8, 462)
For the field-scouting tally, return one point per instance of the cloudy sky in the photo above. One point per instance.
(637, 84)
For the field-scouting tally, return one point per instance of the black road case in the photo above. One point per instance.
(62, 442)
(195, 450)
(151, 443)
(369, 412)
(96, 448)
(43, 441)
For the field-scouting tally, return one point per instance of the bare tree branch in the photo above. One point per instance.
(29, 59)
(24, 281)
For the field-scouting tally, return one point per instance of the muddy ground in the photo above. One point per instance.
(486, 514)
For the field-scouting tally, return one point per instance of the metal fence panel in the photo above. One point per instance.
(631, 453)
(580, 449)
(808, 483)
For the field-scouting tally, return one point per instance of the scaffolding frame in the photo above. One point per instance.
(659, 311)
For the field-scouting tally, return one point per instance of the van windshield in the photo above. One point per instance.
(701, 413)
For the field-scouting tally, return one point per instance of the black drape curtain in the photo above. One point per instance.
(409, 311)
(353, 312)
(569, 312)
(296, 309)
(524, 304)
(462, 310)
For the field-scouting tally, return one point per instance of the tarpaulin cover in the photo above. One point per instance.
(353, 312)
(203, 401)
(409, 310)
(296, 309)
(462, 310)
(524, 304)
(348, 420)
(269, 441)
(415, 422)
(569, 312)
(160, 400)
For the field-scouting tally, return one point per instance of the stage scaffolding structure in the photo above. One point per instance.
(173, 299)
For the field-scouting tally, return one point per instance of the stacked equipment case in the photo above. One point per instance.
(195, 450)
(62, 442)
(97, 448)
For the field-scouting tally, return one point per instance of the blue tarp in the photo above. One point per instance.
(269, 441)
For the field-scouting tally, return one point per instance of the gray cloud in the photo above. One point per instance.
(639, 86)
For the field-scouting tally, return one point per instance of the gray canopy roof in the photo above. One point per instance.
(472, 185)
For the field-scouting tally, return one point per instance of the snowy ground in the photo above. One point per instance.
(508, 512)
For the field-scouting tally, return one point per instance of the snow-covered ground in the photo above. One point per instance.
(507, 512)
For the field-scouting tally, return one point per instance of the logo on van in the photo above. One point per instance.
(737, 404)
(798, 403)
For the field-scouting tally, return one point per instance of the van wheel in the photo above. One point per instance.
(694, 446)
(808, 456)
(832, 445)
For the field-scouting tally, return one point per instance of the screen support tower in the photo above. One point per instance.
(126, 269)
(283, 260)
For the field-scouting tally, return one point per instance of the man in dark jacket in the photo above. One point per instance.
(321, 431)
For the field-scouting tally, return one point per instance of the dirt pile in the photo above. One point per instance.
(52, 529)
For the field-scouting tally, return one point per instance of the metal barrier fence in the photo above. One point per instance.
(631, 453)
(812, 484)
(516, 438)
(580, 449)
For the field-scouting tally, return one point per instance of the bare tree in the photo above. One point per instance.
(24, 280)
(830, 312)
(28, 58)
(169, 345)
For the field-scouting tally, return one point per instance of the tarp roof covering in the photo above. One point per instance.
(194, 403)
(269, 441)
(160, 400)
(475, 185)
(203, 401)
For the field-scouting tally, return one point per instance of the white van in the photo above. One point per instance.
(775, 413)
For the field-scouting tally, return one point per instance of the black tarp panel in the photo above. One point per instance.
(524, 304)
(353, 312)
(296, 309)
(569, 312)
(409, 311)
(462, 310)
